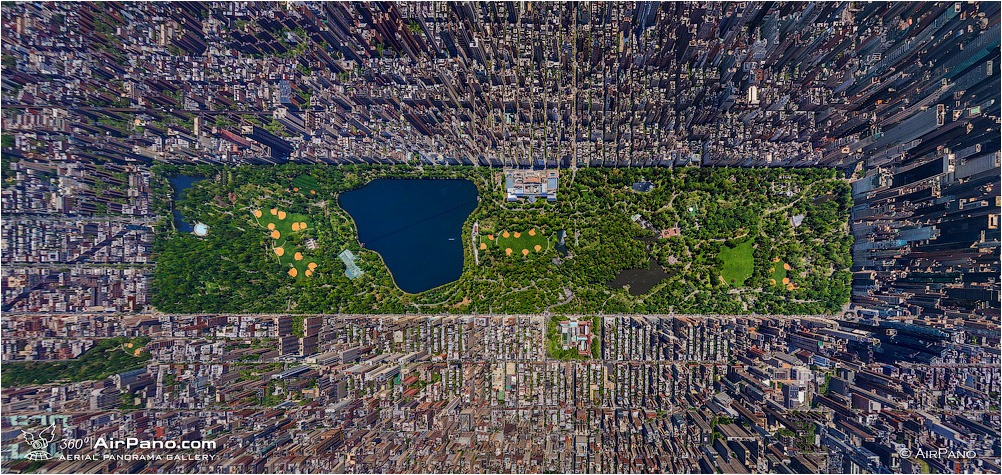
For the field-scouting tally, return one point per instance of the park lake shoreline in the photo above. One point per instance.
(415, 225)
(178, 185)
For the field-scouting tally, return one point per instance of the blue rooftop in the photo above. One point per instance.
(351, 269)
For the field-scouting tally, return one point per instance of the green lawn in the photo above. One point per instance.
(524, 241)
(777, 273)
(288, 232)
(739, 263)
(305, 184)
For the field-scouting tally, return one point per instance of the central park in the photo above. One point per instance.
(365, 239)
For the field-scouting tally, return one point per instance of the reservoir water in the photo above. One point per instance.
(179, 183)
(415, 225)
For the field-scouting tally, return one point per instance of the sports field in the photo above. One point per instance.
(778, 274)
(739, 263)
(282, 227)
(516, 242)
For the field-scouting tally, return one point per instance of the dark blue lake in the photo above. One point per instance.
(179, 183)
(416, 225)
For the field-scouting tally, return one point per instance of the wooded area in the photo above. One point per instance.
(610, 228)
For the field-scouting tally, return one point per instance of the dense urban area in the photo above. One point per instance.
(706, 237)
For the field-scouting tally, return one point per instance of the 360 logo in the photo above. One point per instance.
(39, 443)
